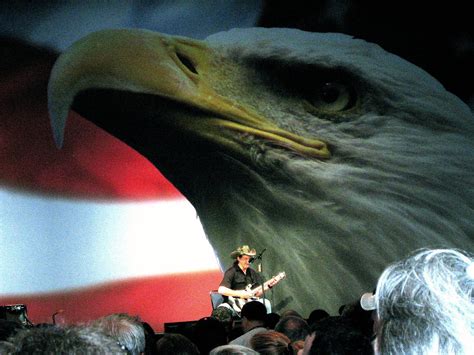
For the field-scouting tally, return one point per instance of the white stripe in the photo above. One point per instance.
(50, 244)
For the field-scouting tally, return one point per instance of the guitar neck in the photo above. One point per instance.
(265, 286)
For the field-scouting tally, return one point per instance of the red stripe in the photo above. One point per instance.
(156, 300)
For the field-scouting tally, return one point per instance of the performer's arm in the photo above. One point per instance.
(235, 293)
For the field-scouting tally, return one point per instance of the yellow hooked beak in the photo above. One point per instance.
(174, 68)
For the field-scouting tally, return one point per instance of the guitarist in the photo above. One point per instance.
(239, 275)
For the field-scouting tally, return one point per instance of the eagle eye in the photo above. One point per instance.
(186, 62)
(332, 97)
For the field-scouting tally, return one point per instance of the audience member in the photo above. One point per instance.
(295, 328)
(290, 312)
(316, 315)
(271, 319)
(253, 322)
(424, 304)
(150, 338)
(128, 331)
(271, 342)
(336, 335)
(232, 349)
(64, 340)
(208, 333)
(6, 347)
(225, 316)
(9, 328)
(359, 318)
(175, 344)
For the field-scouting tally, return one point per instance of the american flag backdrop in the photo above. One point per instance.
(93, 228)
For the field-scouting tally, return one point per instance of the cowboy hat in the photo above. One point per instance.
(243, 250)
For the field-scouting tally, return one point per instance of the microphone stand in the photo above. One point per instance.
(259, 269)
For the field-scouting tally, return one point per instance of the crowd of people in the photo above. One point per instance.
(422, 304)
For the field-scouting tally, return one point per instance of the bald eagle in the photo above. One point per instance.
(334, 155)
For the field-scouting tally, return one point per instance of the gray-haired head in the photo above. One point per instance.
(74, 340)
(425, 304)
(127, 330)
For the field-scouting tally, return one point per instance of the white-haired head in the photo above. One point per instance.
(425, 305)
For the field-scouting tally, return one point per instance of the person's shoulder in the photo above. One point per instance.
(231, 268)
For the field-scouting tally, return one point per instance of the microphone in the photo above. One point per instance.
(259, 256)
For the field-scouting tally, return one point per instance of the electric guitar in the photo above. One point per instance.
(237, 303)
